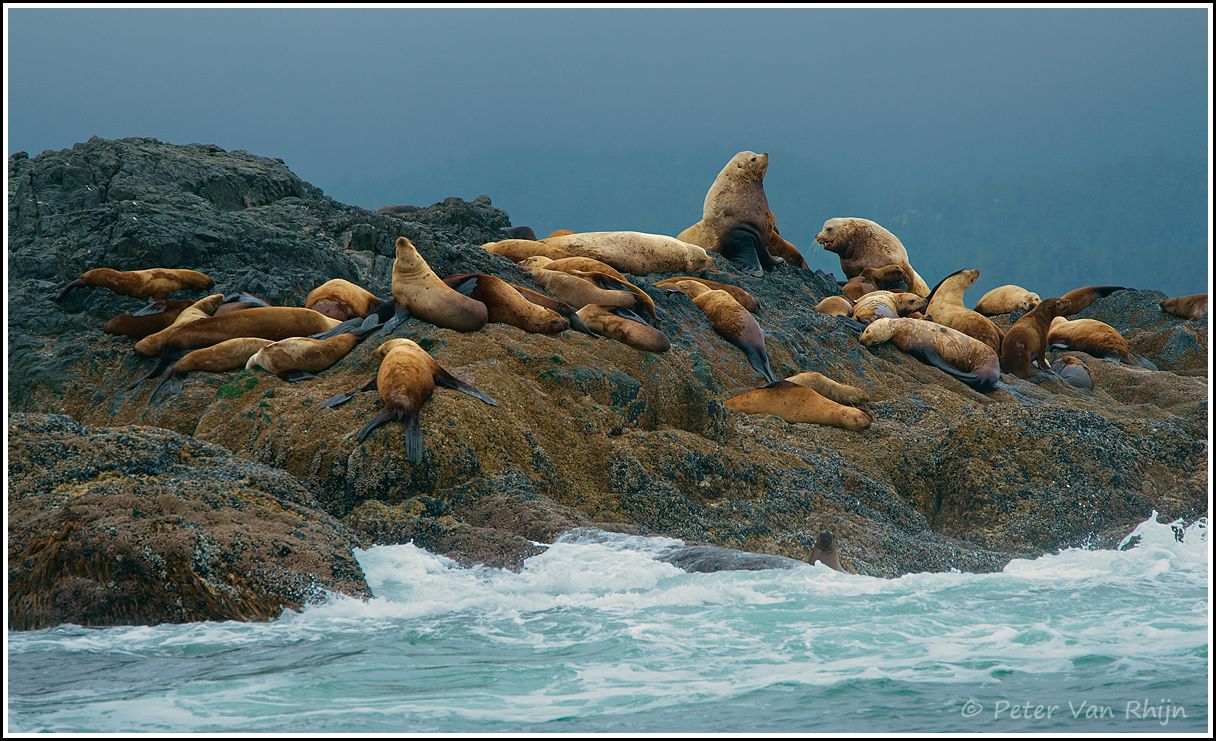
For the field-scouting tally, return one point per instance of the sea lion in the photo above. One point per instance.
(795, 403)
(1007, 299)
(571, 264)
(201, 309)
(636, 253)
(861, 244)
(736, 220)
(946, 307)
(858, 286)
(1026, 340)
(560, 233)
(1094, 338)
(580, 289)
(745, 299)
(880, 304)
(949, 350)
(841, 393)
(519, 232)
(418, 292)
(228, 355)
(297, 358)
(825, 551)
(733, 323)
(153, 283)
(602, 321)
(266, 322)
(139, 327)
(834, 306)
(563, 309)
(406, 379)
(237, 301)
(1080, 298)
(506, 305)
(518, 250)
(1193, 307)
(1075, 373)
(888, 277)
(340, 299)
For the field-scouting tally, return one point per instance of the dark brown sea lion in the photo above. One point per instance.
(1079, 298)
(949, 350)
(795, 403)
(238, 301)
(139, 327)
(826, 551)
(1026, 340)
(506, 305)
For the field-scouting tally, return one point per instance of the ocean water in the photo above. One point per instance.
(600, 636)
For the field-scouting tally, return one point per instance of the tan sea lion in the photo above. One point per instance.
(406, 379)
(560, 233)
(297, 358)
(733, 323)
(1193, 307)
(201, 309)
(563, 309)
(1007, 299)
(506, 305)
(949, 350)
(795, 403)
(518, 250)
(636, 253)
(340, 299)
(946, 307)
(1026, 340)
(841, 393)
(826, 552)
(238, 301)
(1080, 298)
(1094, 338)
(266, 322)
(745, 299)
(418, 292)
(139, 327)
(880, 304)
(153, 283)
(861, 244)
(571, 264)
(228, 355)
(736, 220)
(583, 289)
(888, 277)
(602, 321)
(834, 306)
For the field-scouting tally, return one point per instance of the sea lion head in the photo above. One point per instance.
(1055, 306)
(393, 344)
(835, 234)
(691, 288)
(747, 165)
(906, 303)
(879, 331)
(407, 253)
(1028, 302)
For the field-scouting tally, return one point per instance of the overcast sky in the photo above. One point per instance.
(621, 118)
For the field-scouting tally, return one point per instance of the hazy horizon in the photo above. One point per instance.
(1049, 148)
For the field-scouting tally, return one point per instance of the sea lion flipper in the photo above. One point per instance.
(929, 355)
(400, 314)
(447, 380)
(171, 382)
(153, 307)
(350, 325)
(466, 286)
(163, 361)
(338, 399)
(386, 415)
(629, 314)
(295, 375)
(413, 438)
(742, 246)
(576, 323)
(1144, 362)
(69, 288)
(853, 324)
(370, 323)
(758, 358)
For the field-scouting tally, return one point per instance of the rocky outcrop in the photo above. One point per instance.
(140, 525)
(588, 431)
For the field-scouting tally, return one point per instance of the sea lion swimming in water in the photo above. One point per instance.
(949, 350)
(826, 551)
(506, 305)
(406, 379)
(946, 307)
(861, 244)
(733, 323)
(340, 299)
(297, 358)
(418, 292)
(795, 403)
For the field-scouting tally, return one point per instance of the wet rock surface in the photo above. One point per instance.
(140, 525)
(588, 430)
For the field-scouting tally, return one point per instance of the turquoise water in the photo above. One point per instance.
(602, 637)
